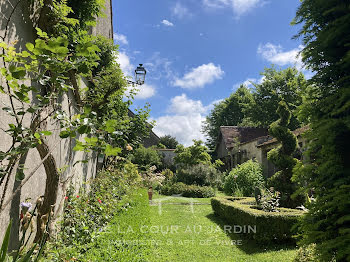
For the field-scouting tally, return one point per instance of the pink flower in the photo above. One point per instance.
(66, 198)
(77, 196)
(99, 200)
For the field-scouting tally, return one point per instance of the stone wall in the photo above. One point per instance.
(16, 27)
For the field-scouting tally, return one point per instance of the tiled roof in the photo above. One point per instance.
(231, 134)
(296, 132)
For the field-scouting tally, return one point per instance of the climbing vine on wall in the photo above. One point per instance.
(38, 79)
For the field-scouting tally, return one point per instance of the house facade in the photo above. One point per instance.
(237, 145)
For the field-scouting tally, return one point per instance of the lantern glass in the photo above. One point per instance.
(140, 75)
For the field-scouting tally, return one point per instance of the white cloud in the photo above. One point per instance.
(144, 91)
(276, 55)
(200, 76)
(120, 39)
(125, 64)
(180, 11)
(184, 120)
(239, 7)
(167, 23)
(183, 105)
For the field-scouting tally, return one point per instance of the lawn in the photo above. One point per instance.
(186, 232)
(176, 229)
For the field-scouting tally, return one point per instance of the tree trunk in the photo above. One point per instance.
(51, 187)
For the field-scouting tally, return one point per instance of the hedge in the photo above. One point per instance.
(188, 190)
(268, 226)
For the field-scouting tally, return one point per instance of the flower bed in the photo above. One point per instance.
(257, 224)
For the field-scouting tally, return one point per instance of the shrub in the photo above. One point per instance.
(136, 217)
(244, 178)
(169, 176)
(188, 190)
(152, 178)
(269, 226)
(307, 254)
(267, 200)
(145, 158)
(86, 214)
(282, 157)
(201, 174)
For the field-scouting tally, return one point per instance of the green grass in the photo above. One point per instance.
(200, 237)
(176, 231)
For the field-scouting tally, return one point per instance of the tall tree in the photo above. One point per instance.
(228, 112)
(168, 141)
(287, 85)
(326, 36)
(192, 155)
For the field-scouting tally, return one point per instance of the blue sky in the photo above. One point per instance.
(197, 52)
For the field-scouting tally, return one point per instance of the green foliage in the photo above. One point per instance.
(188, 190)
(307, 254)
(200, 174)
(86, 11)
(145, 158)
(282, 157)
(258, 107)
(86, 214)
(287, 85)
(168, 141)
(5, 243)
(222, 114)
(153, 179)
(169, 176)
(325, 35)
(270, 226)
(192, 155)
(244, 178)
(267, 200)
(132, 212)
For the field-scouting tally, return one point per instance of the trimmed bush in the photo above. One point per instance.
(188, 190)
(244, 179)
(268, 226)
(201, 174)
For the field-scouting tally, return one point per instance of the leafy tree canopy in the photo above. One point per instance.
(192, 155)
(258, 106)
(229, 112)
(326, 36)
(168, 141)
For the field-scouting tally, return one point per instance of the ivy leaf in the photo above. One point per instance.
(91, 140)
(46, 133)
(110, 126)
(19, 74)
(84, 129)
(22, 96)
(79, 146)
(30, 47)
(87, 109)
(37, 135)
(3, 45)
(112, 151)
(20, 175)
(64, 134)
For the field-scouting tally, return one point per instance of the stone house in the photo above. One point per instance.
(230, 140)
(238, 144)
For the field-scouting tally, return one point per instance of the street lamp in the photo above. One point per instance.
(140, 75)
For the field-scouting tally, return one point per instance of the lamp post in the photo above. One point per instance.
(140, 75)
